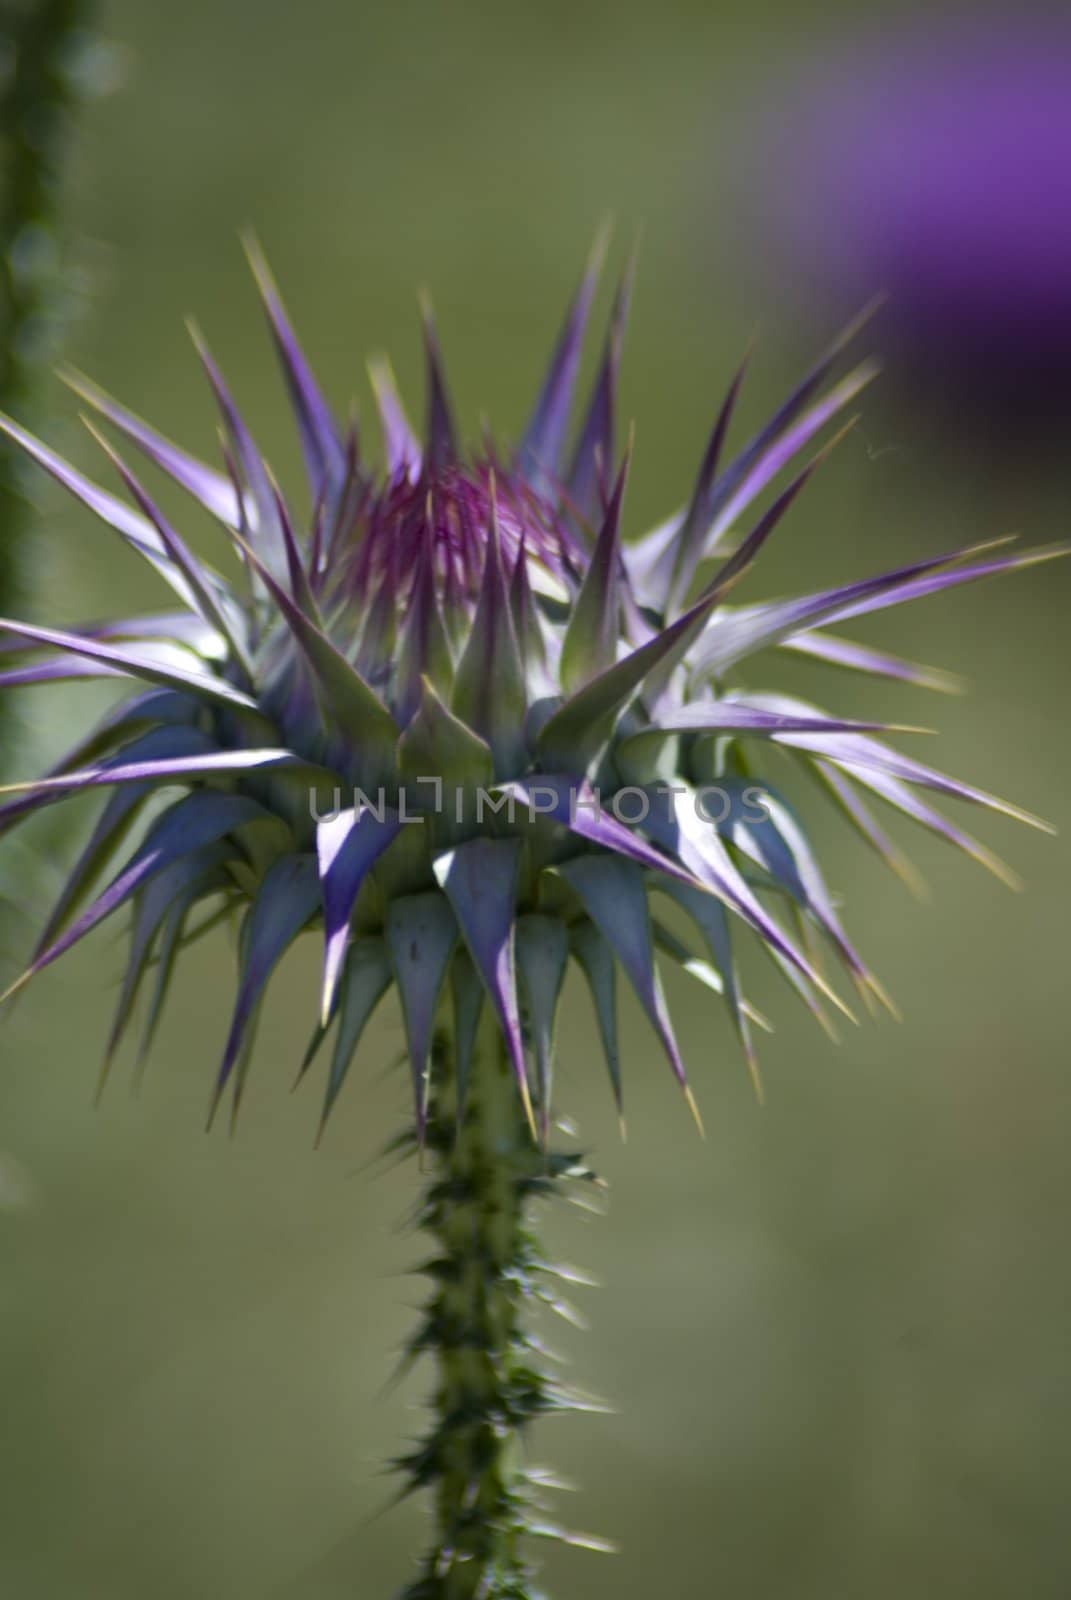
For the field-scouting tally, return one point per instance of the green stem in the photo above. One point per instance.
(490, 1380)
(42, 43)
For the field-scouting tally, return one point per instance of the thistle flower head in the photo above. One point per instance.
(933, 160)
(446, 713)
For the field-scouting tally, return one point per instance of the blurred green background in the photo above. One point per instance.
(838, 1331)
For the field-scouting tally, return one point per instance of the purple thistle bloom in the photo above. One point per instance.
(934, 164)
(468, 640)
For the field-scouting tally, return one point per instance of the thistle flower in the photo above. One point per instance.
(466, 638)
(935, 162)
(476, 622)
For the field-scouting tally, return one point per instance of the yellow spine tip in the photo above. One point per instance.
(690, 1102)
(835, 999)
(866, 992)
(529, 1114)
(16, 986)
(879, 989)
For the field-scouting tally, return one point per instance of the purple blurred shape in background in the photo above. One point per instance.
(934, 164)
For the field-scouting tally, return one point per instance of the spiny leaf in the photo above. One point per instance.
(366, 980)
(858, 750)
(211, 488)
(167, 770)
(213, 690)
(489, 686)
(676, 820)
(109, 834)
(438, 743)
(742, 483)
(688, 545)
(741, 715)
(354, 709)
(732, 637)
(614, 897)
(578, 807)
(480, 881)
(574, 737)
(442, 445)
(712, 920)
(404, 455)
(525, 615)
(868, 827)
(135, 529)
(199, 819)
(321, 442)
(594, 628)
(862, 658)
(542, 441)
(171, 941)
(896, 792)
(286, 900)
(594, 452)
(651, 560)
(444, 764)
(542, 952)
(296, 559)
(424, 651)
(180, 884)
(265, 528)
(204, 586)
(421, 934)
(778, 843)
(347, 848)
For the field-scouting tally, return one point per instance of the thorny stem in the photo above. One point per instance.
(491, 1379)
(43, 75)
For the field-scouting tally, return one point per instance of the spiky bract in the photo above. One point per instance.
(469, 640)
